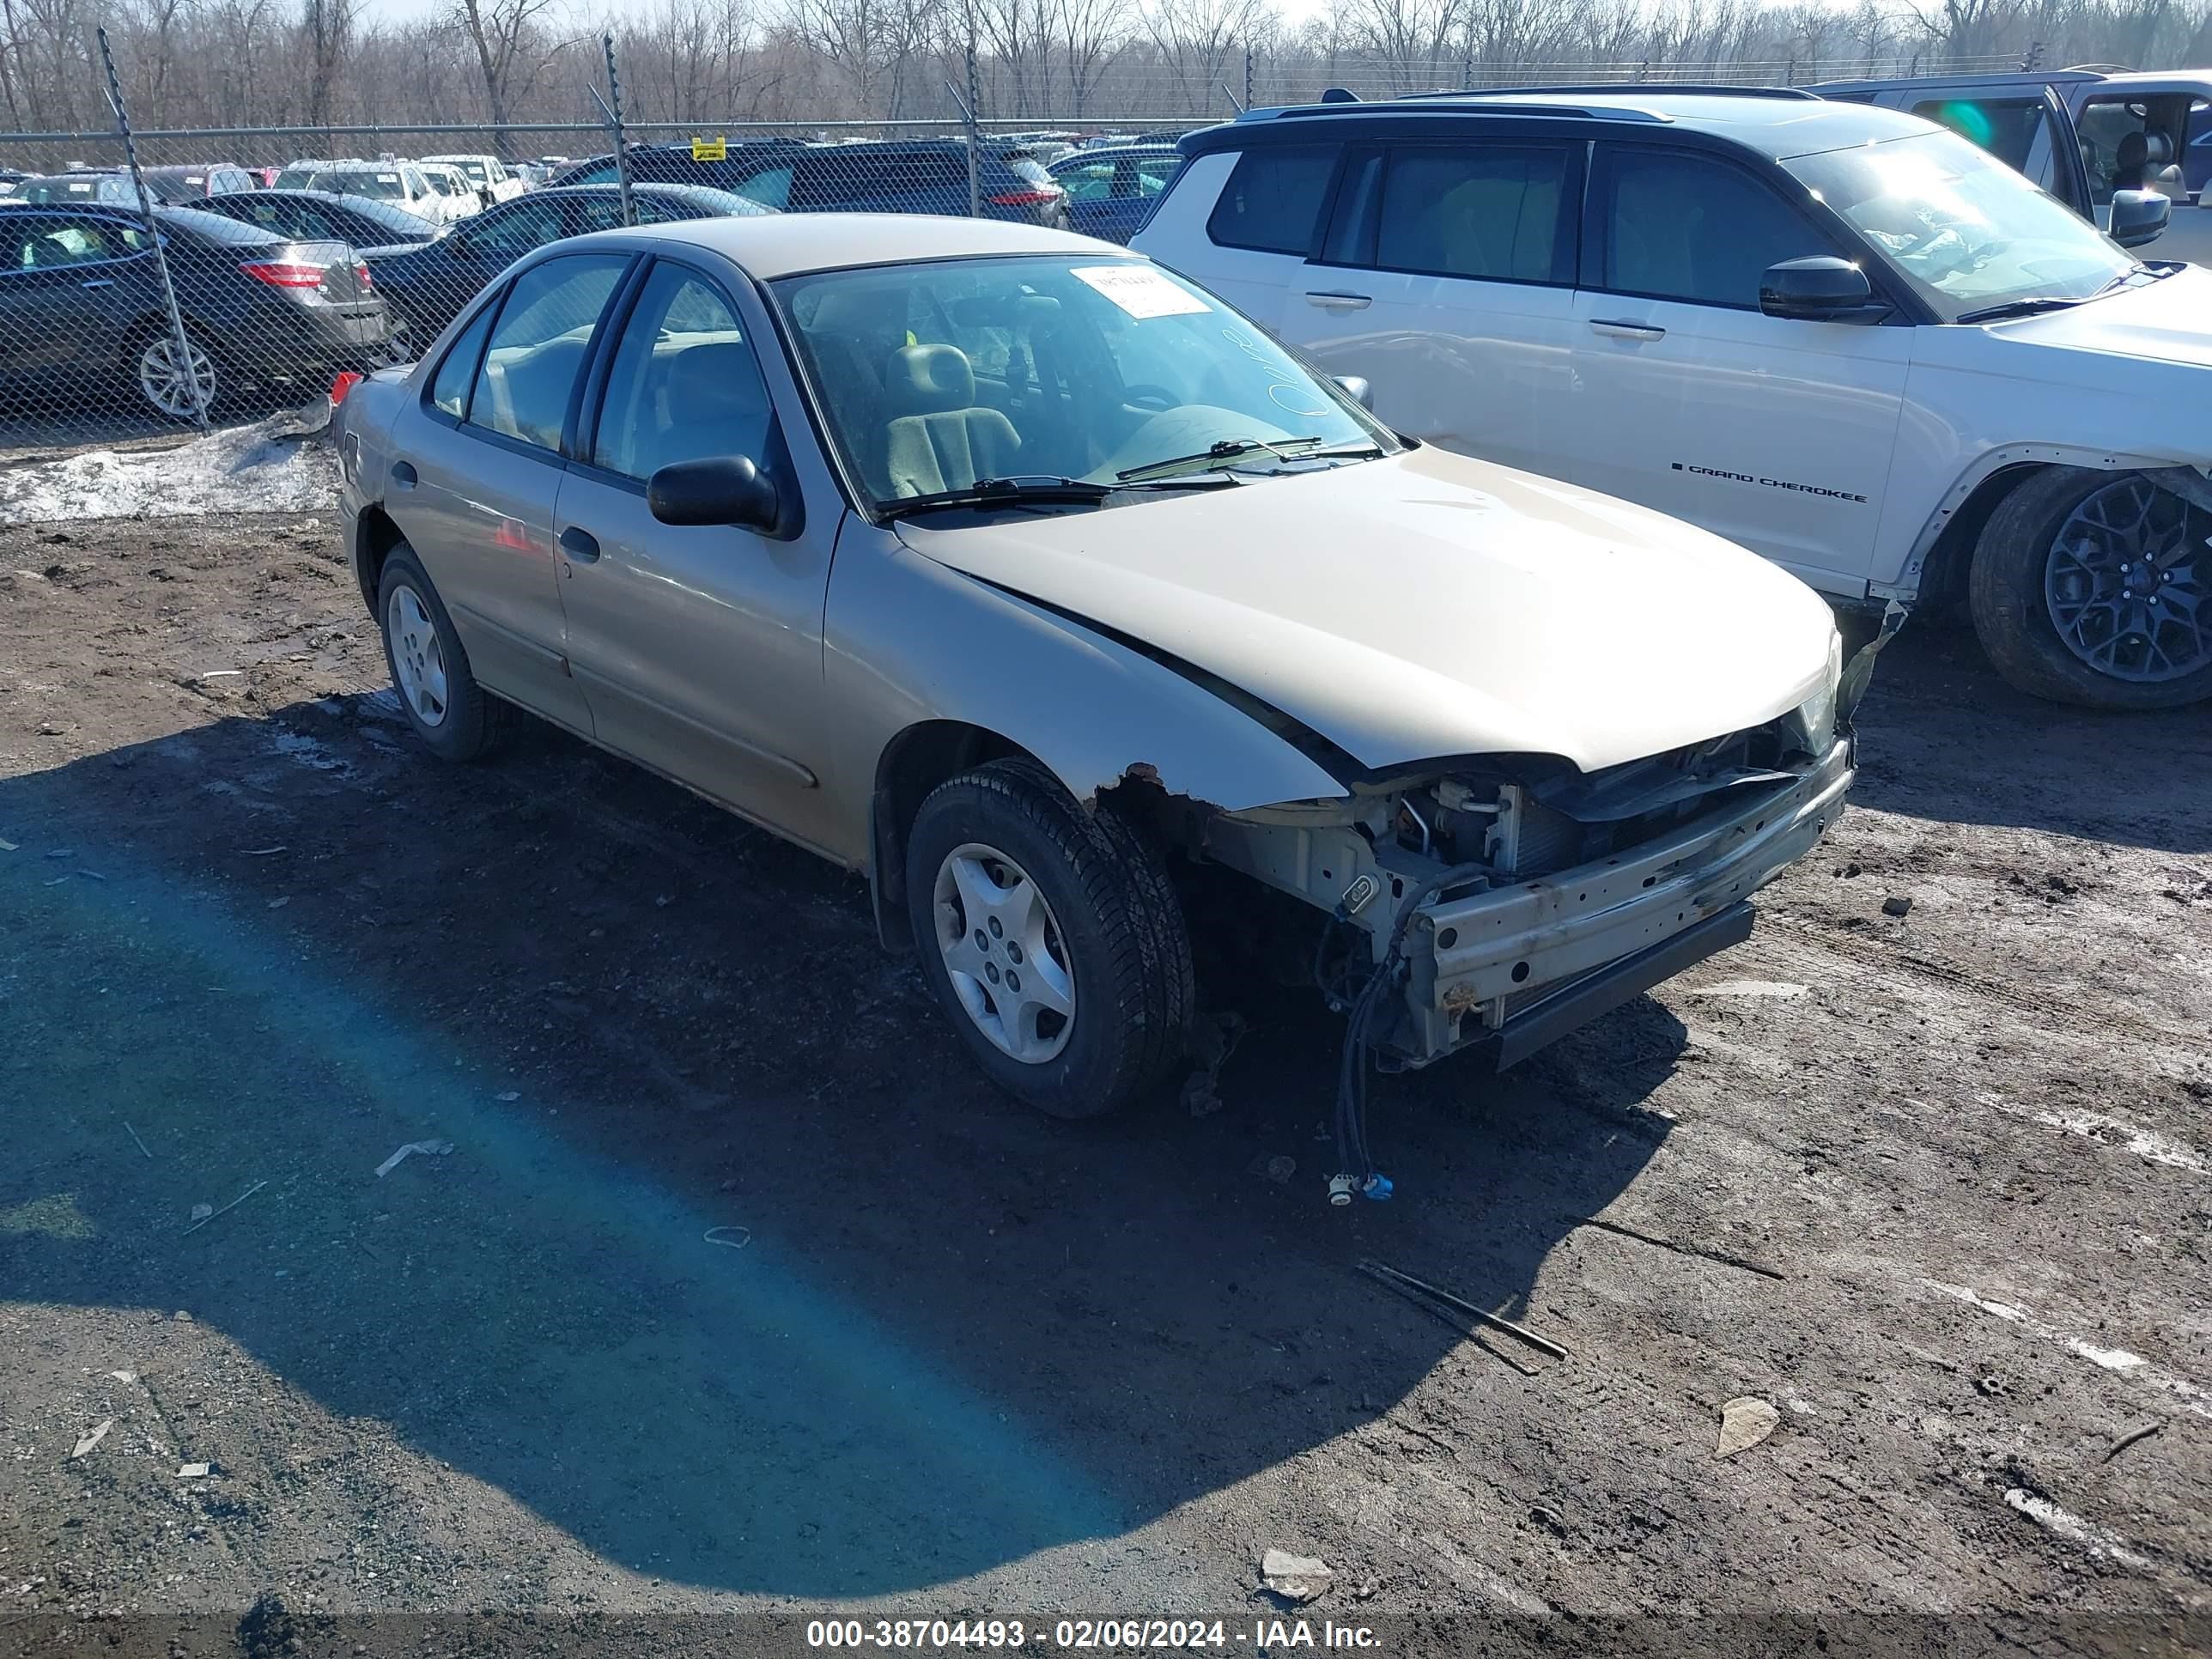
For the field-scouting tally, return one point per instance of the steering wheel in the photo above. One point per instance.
(1145, 395)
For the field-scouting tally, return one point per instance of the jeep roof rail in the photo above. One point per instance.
(1487, 106)
(1696, 89)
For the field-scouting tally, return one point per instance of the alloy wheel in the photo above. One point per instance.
(2126, 582)
(162, 378)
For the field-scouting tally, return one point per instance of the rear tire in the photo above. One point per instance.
(457, 719)
(155, 364)
(1085, 902)
(2078, 569)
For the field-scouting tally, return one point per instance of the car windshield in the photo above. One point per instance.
(379, 187)
(935, 377)
(1965, 230)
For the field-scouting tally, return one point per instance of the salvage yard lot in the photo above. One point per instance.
(1939, 1187)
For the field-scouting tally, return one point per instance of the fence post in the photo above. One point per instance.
(613, 108)
(2034, 58)
(1247, 77)
(974, 148)
(179, 341)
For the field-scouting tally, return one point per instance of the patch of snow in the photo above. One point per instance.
(1750, 988)
(2193, 1396)
(2113, 1360)
(305, 749)
(275, 465)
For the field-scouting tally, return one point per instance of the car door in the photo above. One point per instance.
(1445, 279)
(699, 648)
(57, 287)
(2029, 129)
(2133, 140)
(475, 471)
(1775, 432)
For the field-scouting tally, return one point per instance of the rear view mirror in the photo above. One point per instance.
(1355, 387)
(722, 490)
(1822, 289)
(2138, 217)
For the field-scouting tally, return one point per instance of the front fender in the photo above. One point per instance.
(908, 641)
(2186, 480)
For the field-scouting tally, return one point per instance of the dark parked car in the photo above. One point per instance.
(425, 287)
(77, 189)
(673, 164)
(924, 175)
(319, 216)
(81, 306)
(189, 186)
(1111, 192)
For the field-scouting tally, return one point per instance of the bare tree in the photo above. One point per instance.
(327, 30)
(504, 33)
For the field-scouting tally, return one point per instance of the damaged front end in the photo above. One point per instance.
(1508, 899)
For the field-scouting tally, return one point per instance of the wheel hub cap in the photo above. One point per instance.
(161, 376)
(418, 661)
(1003, 951)
(2126, 582)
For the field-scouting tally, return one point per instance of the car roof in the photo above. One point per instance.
(1917, 82)
(783, 245)
(1098, 152)
(1778, 122)
(2155, 80)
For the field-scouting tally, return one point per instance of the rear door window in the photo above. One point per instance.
(449, 390)
(1495, 212)
(540, 344)
(1273, 201)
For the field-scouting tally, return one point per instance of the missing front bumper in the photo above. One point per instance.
(1516, 967)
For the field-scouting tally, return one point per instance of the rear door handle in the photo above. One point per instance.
(403, 475)
(1619, 329)
(99, 282)
(1341, 302)
(580, 544)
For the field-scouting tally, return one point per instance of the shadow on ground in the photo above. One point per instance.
(950, 1334)
(1942, 737)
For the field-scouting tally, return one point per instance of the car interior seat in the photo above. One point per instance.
(1653, 241)
(938, 438)
(1485, 227)
(535, 379)
(711, 402)
(2130, 160)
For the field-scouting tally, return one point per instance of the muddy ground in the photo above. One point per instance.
(1952, 1171)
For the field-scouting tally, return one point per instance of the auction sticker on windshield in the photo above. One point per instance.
(1140, 290)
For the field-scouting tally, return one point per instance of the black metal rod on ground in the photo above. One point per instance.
(180, 341)
(1375, 1269)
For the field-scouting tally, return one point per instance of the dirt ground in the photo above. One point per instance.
(738, 1298)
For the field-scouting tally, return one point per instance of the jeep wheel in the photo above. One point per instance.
(1052, 939)
(2095, 588)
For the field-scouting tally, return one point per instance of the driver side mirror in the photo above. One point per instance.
(721, 489)
(1822, 288)
(1355, 387)
(2138, 217)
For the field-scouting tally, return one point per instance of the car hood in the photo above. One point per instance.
(1429, 606)
(2166, 322)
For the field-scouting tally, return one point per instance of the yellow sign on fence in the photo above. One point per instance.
(710, 149)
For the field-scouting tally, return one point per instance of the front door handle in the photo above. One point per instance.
(1620, 329)
(98, 282)
(1341, 302)
(580, 544)
(403, 475)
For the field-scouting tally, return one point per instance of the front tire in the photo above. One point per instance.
(1052, 938)
(456, 719)
(2095, 588)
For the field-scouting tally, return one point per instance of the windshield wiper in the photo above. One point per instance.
(1021, 491)
(1214, 454)
(2027, 307)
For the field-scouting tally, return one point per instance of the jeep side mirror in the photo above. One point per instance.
(1822, 288)
(2138, 217)
(721, 489)
(1355, 387)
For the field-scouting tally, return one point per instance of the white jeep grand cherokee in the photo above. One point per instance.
(1841, 336)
